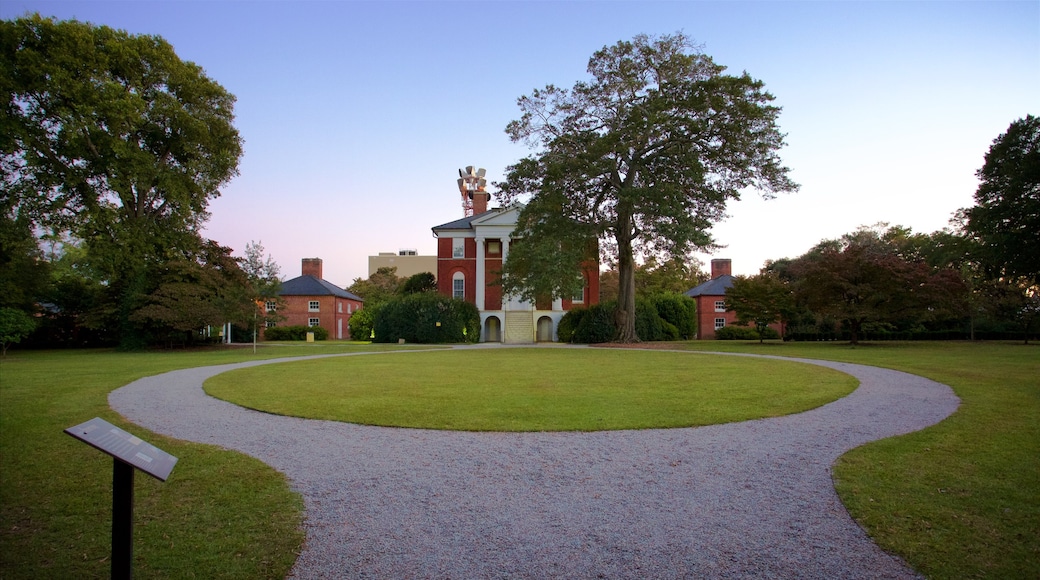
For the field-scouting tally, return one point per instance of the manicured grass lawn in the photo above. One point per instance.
(957, 500)
(534, 389)
(220, 514)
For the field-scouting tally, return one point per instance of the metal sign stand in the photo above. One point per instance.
(128, 452)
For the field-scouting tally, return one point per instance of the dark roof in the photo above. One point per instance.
(465, 223)
(314, 286)
(713, 287)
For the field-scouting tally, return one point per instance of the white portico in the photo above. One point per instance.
(470, 255)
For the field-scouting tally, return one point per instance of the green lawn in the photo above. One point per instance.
(220, 514)
(957, 500)
(534, 389)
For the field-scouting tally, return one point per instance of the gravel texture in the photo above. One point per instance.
(751, 499)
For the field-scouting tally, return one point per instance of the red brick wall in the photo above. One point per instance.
(330, 317)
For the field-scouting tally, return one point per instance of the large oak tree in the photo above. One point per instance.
(114, 138)
(642, 158)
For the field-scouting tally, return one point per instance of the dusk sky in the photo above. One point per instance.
(357, 116)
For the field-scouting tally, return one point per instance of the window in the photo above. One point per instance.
(313, 306)
(579, 296)
(269, 324)
(458, 248)
(458, 286)
(312, 322)
(271, 306)
(720, 323)
(494, 247)
(340, 305)
(720, 306)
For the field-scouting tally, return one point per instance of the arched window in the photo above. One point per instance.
(458, 285)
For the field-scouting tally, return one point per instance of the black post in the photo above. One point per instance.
(122, 520)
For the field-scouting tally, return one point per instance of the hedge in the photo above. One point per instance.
(295, 333)
(426, 318)
(744, 333)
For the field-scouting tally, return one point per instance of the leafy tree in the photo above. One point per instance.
(862, 278)
(643, 158)
(196, 291)
(1006, 217)
(15, 325)
(676, 276)
(263, 275)
(760, 300)
(419, 283)
(377, 288)
(116, 139)
(24, 273)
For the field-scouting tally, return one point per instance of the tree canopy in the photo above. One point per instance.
(866, 277)
(113, 138)
(643, 157)
(760, 300)
(1006, 217)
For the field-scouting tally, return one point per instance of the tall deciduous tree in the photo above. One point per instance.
(760, 300)
(263, 274)
(643, 157)
(114, 137)
(1006, 217)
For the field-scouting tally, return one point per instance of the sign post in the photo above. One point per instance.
(128, 452)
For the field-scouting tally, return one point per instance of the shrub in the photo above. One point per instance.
(679, 312)
(426, 318)
(648, 323)
(744, 333)
(295, 333)
(596, 325)
(362, 323)
(569, 324)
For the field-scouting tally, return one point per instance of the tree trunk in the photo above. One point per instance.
(625, 315)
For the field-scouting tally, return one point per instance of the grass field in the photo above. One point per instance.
(957, 500)
(220, 514)
(534, 389)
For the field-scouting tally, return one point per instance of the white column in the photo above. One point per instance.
(481, 283)
(505, 254)
(557, 304)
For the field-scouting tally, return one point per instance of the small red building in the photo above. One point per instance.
(711, 301)
(310, 300)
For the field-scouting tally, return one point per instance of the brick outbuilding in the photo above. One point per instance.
(310, 300)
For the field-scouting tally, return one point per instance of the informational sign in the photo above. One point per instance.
(125, 447)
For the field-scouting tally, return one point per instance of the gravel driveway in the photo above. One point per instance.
(751, 499)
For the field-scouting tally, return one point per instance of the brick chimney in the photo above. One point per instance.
(721, 267)
(480, 201)
(312, 267)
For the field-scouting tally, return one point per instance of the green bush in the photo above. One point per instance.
(426, 318)
(295, 333)
(678, 311)
(744, 333)
(648, 323)
(596, 325)
(569, 324)
(362, 323)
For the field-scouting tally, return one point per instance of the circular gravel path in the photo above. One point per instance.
(750, 499)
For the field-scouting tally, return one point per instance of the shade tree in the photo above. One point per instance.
(641, 160)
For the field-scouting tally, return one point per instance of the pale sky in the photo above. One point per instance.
(357, 115)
